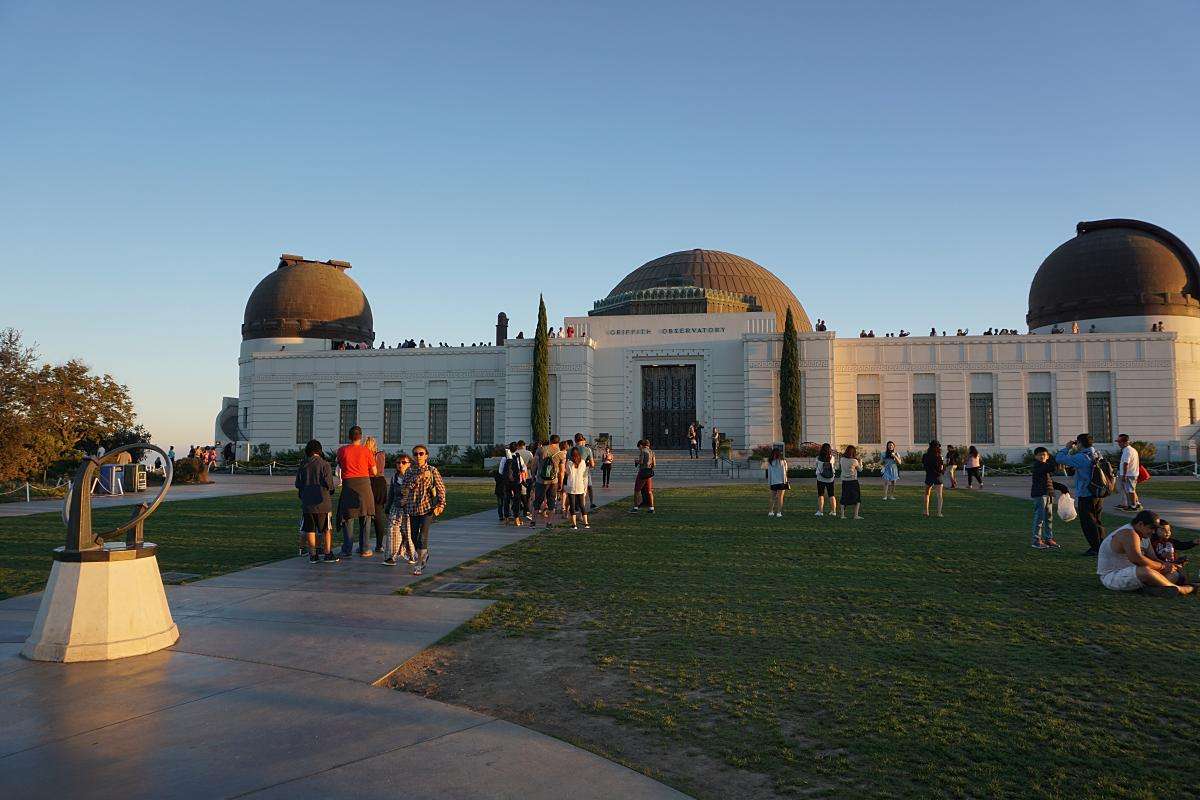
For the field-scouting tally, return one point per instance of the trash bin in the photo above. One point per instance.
(134, 477)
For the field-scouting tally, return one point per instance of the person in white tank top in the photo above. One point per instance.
(1124, 565)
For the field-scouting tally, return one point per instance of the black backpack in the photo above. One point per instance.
(1102, 481)
(512, 469)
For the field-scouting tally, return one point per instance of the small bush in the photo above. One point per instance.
(1146, 451)
(188, 470)
(476, 454)
(447, 454)
(995, 461)
(912, 460)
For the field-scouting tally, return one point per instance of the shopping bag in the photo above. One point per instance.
(1066, 508)
(1143, 474)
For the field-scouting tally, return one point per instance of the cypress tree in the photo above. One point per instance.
(789, 384)
(539, 403)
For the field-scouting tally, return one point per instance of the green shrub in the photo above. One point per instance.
(187, 470)
(447, 454)
(476, 454)
(1146, 451)
(912, 460)
(995, 461)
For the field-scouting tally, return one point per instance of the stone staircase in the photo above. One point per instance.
(671, 465)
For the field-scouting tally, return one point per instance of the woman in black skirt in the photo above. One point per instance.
(934, 468)
(379, 491)
(849, 465)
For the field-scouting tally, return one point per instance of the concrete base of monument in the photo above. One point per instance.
(100, 610)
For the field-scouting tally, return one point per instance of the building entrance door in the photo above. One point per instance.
(668, 405)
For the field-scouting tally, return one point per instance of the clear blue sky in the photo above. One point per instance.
(897, 164)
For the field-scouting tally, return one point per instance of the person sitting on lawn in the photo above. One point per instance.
(1124, 566)
(1161, 542)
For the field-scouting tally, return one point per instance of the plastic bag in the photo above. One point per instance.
(1066, 508)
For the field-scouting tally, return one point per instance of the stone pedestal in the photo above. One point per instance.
(102, 605)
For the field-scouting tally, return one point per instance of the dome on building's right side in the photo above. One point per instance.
(1115, 268)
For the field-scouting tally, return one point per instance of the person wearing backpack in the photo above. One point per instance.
(825, 473)
(514, 482)
(1093, 482)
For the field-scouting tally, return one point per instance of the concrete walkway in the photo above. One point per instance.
(271, 692)
(1179, 512)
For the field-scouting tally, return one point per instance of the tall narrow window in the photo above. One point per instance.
(245, 416)
(304, 421)
(983, 425)
(391, 421)
(924, 418)
(347, 419)
(1191, 411)
(868, 419)
(1099, 416)
(1041, 423)
(485, 420)
(437, 420)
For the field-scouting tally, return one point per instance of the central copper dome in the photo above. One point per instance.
(703, 281)
(308, 299)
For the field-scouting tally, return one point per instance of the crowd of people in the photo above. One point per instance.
(399, 511)
(555, 477)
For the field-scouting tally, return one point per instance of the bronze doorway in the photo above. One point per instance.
(668, 405)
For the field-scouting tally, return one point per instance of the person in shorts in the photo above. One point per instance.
(935, 468)
(1131, 464)
(1124, 565)
(777, 480)
(315, 485)
(643, 484)
(576, 484)
(848, 466)
(826, 470)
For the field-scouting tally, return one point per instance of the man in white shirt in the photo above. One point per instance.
(1124, 565)
(1128, 473)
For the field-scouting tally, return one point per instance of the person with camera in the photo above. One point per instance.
(1092, 484)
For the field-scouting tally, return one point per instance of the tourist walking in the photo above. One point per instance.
(777, 479)
(171, 454)
(424, 499)
(1041, 490)
(527, 460)
(357, 503)
(643, 484)
(399, 541)
(693, 441)
(514, 485)
(315, 484)
(891, 471)
(974, 467)
(848, 466)
(576, 481)
(1080, 456)
(502, 493)
(953, 462)
(606, 462)
(825, 469)
(1128, 472)
(716, 441)
(934, 468)
(589, 461)
(379, 491)
(548, 472)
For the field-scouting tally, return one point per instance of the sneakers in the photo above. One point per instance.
(367, 553)
(587, 527)
(779, 513)
(417, 569)
(1052, 543)
(575, 527)
(1039, 546)
(390, 561)
(314, 559)
(303, 551)
(819, 514)
(770, 513)
(651, 509)
(633, 510)
(331, 558)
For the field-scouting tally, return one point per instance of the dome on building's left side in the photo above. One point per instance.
(308, 299)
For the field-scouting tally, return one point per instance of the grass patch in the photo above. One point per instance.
(891, 657)
(207, 537)
(1187, 490)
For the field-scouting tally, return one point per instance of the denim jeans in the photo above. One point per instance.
(348, 538)
(1043, 519)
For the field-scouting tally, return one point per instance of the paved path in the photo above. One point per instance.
(1179, 512)
(222, 486)
(271, 692)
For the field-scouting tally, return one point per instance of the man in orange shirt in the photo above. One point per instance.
(358, 466)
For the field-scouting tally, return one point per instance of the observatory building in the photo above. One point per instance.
(696, 335)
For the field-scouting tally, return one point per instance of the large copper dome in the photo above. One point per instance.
(310, 299)
(703, 281)
(1115, 268)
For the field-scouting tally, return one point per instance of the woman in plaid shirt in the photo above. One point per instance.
(424, 498)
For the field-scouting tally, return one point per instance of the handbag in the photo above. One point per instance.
(1143, 474)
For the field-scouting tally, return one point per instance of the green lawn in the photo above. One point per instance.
(207, 537)
(1188, 490)
(891, 657)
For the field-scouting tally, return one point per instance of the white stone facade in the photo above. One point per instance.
(1011, 390)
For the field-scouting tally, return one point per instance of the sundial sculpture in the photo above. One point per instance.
(104, 599)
